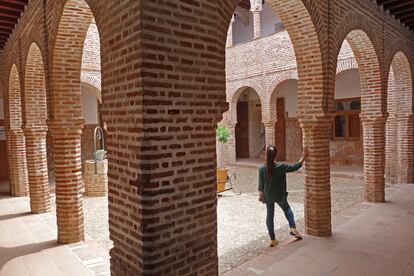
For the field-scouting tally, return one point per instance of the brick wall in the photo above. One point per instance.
(349, 153)
(293, 139)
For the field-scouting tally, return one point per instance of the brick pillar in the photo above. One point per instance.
(391, 149)
(270, 132)
(16, 146)
(405, 148)
(257, 26)
(229, 41)
(316, 136)
(374, 158)
(68, 173)
(36, 154)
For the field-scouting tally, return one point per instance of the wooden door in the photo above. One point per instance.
(242, 130)
(4, 166)
(280, 131)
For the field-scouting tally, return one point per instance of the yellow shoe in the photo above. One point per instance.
(273, 243)
(294, 232)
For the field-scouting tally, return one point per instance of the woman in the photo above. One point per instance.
(272, 189)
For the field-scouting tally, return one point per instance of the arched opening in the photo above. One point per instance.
(4, 165)
(254, 65)
(35, 130)
(288, 134)
(16, 144)
(249, 132)
(76, 71)
(346, 144)
(372, 116)
(66, 118)
(399, 127)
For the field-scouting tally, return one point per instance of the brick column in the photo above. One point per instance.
(391, 149)
(16, 146)
(374, 158)
(316, 136)
(229, 41)
(270, 132)
(36, 154)
(68, 173)
(405, 148)
(257, 26)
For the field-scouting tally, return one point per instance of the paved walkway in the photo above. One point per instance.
(28, 245)
(370, 239)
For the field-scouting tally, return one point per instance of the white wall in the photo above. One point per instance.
(348, 85)
(89, 105)
(268, 20)
(290, 92)
(1, 110)
(241, 31)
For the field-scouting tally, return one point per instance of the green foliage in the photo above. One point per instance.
(223, 134)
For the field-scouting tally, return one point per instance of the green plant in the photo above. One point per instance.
(223, 134)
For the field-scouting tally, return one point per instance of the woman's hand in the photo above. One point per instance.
(305, 154)
(261, 196)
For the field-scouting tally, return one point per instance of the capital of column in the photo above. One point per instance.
(315, 123)
(39, 131)
(269, 123)
(378, 121)
(256, 6)
(405, 117)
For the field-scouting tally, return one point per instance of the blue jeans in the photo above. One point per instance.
(270, 206)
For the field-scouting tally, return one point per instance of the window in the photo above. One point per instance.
(347, 124)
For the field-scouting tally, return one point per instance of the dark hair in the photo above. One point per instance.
(271, 152)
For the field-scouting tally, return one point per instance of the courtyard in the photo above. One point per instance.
(242, 233)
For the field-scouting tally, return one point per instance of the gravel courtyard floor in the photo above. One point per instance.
(242, 232)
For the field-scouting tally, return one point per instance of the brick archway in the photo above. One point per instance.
(66, 121)
(273, 96)
(372, 113)
(35, 129)
(16, 144)
(234, 98)
(400, 143)
(313, 114)
(246, 140)
(93, 84)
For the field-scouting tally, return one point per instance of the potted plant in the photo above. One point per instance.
(223, 136)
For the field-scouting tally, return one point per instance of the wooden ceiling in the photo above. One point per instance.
(402, 10)
(10, 12)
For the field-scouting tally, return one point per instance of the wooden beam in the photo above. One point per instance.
(12, 7)
(400, 4)
(10, 14)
